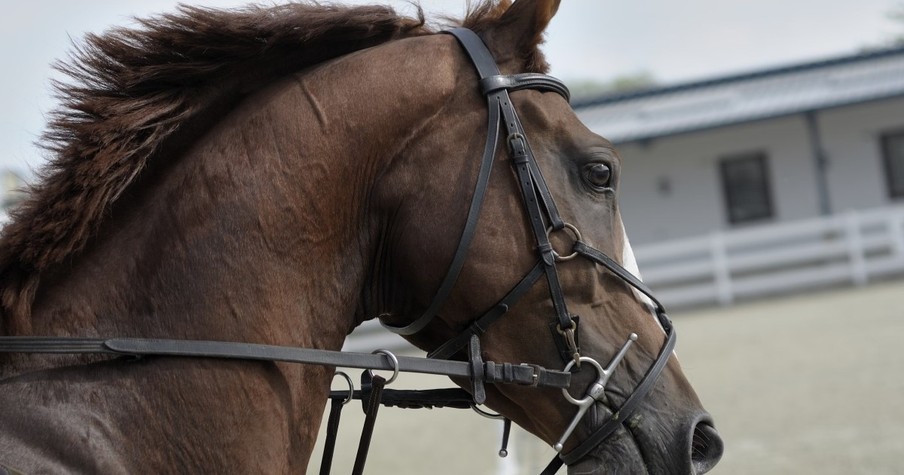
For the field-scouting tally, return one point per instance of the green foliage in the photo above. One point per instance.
(588, 88)
(897, 15)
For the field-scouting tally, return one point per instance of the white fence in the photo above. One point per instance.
(851, 248)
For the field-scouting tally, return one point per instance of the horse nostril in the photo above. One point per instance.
(706, 447)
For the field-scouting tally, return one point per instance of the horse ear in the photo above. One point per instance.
(520, 30)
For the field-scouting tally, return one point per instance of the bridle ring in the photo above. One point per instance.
(586, 399)
(392, 359)
(351, 386)
(577, 237)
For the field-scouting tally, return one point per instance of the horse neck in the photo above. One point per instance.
(225, 246)
(261, 231)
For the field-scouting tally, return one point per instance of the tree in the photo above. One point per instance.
(589, 88)
(897, 15)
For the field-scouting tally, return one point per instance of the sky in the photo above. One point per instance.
(674, 41)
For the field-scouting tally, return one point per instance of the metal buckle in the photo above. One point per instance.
(571, 342)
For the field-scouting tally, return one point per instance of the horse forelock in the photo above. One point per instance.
(130, 90)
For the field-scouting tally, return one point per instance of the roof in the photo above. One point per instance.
(740, 98)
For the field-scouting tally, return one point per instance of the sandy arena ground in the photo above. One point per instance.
(811, 384)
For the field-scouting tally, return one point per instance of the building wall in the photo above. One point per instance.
(851, 136)
(671, 188)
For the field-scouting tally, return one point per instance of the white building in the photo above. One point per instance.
(766, 182)
(770, 146)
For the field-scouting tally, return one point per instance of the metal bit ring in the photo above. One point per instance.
(575, 234)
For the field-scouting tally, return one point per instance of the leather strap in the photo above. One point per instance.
(597, 256)
(467, 235)
(455, 398)
(528, 375)
(533, 189)
(479, 326)
(517, 82)
(377, 383)
(495, 86)
(332, 431)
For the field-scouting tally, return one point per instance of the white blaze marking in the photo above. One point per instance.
(630, 263)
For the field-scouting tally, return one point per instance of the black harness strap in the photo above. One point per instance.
(467, 234)
(527, 375)
(537, 199)
(479, 326)
(597, 256)
(533, 188)
(371, 407)
(455, 398)
(332, 431)
(516, 82)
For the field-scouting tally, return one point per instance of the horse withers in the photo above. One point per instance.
(279, 175)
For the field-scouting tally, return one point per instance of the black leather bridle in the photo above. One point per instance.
(544, 220)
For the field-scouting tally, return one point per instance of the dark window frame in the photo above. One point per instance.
(895, 190)
(729, 196)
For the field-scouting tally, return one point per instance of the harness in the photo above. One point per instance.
(544, 221)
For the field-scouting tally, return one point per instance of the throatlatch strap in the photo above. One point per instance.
(467, 234)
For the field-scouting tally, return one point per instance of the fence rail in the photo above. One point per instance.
(720, 268)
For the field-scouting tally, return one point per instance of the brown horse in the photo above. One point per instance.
(279, 175)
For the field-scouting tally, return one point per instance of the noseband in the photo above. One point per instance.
(544, 219)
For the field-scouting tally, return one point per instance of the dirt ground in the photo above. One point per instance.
(810, 384)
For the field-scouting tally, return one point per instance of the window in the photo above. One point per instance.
(745, 181)
(893, 156)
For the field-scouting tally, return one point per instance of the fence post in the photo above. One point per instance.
(855, 248)
(895, 222)
(721, 272)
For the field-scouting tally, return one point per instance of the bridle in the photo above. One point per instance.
(544, 220)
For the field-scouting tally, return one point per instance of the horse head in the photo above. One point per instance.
(535, 222)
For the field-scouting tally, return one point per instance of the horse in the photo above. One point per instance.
(278, 175)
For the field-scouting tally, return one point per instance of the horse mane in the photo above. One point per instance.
(130, 90)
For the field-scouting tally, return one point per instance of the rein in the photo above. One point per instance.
(544, 220)
(477, 370)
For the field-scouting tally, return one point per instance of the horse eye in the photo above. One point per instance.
(598, 175)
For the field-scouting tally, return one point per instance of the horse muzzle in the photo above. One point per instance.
(647, 445)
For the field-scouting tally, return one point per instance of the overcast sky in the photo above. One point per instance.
(589, 39)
